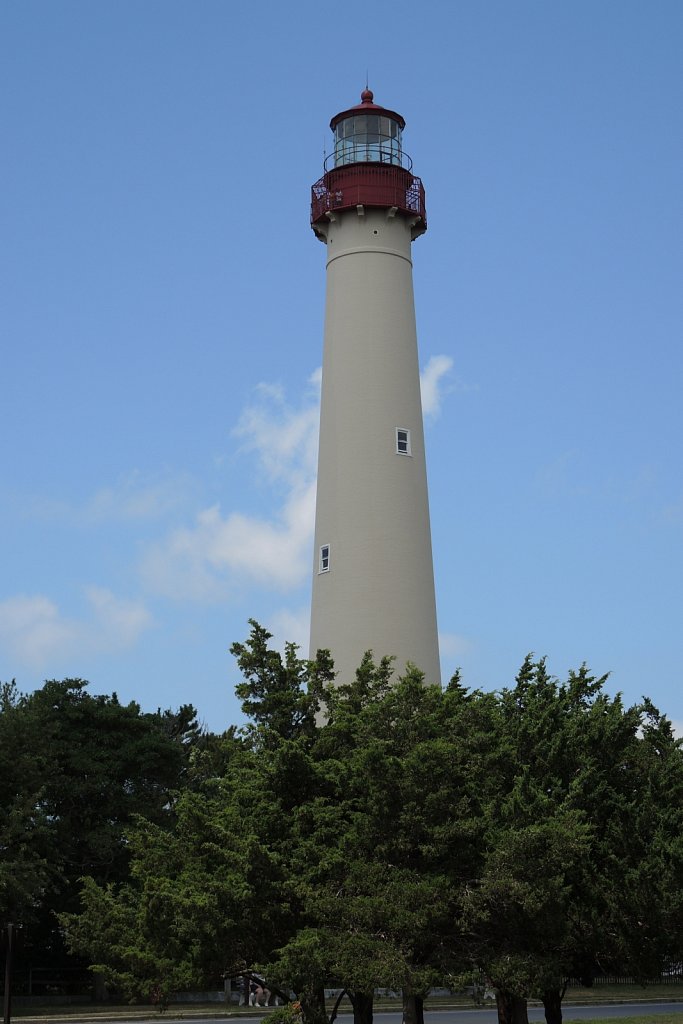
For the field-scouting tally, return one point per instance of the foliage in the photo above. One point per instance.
(25, 849)
(574, 841)
(282, 698)
(214, 889)
(289, 1013)
(390, 834)
(75, 772)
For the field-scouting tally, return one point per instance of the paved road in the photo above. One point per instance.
(483, 1016)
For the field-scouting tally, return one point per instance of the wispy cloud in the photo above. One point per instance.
(452, 645)
(216, 554)
(284, 438)
(672, 513)
(433, 384)
(219, 552)
(291, 625)
(35, 632)
(202, 561)
(133, 498)
(559, 478)
(119, 622)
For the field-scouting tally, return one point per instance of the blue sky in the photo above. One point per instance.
(162, 320)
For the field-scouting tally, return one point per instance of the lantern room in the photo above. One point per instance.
(367, 134)
(368, 167)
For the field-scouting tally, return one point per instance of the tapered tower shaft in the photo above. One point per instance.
(373, 582)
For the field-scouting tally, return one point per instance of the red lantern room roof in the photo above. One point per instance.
(366, 106)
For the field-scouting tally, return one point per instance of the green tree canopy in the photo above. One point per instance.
(77, 770)
(390, 834)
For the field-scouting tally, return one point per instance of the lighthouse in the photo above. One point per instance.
(373, 577)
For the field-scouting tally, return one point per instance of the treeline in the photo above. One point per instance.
(358, 837)
(76, 772)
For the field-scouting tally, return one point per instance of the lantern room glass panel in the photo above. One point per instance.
(367, 138)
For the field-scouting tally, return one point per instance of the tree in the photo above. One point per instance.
(389, 837)
(191, 909)
(79, 769)
(214, 888)
(25, 861)
(410, 835)
(281, 697)
(568, 879)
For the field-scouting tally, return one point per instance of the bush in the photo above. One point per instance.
(290, 1013)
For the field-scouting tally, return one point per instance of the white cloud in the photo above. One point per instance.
(218, 552)
(284, 439)
(432, 384)
(677, 726)
(291, 625)
(119, 622)
(200, 561)
(35, 632)
(221, 551)
(178, 566)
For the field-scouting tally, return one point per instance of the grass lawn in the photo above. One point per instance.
(623, 994)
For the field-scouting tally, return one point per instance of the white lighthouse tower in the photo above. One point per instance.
(373, 579)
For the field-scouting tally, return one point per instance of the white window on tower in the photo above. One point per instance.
(324, 561)
(402, 441)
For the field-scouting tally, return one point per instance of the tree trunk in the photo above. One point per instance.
(337, 1004)
(413, 1009)
(362, 1007)
(552, 1002)
(511, 1008)
(100, 993)
(313, 1005)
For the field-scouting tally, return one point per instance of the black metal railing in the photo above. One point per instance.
(352, 152)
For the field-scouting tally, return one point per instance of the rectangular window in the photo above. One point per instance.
(402, 441)
(324, 562)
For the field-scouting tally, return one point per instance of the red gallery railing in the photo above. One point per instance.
(367, 184)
